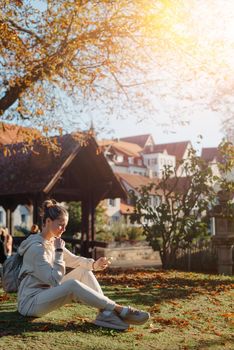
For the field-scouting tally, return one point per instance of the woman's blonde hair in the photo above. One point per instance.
(34, 228)
(52, 210)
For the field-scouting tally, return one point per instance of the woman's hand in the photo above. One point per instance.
(59, 243)
(102, 263)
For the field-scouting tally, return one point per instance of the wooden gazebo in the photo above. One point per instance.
(76, 171)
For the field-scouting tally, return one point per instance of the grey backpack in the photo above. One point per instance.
(10, 273)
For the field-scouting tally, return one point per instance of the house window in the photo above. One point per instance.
(154, 161)
(1, 217)
(112, 202)
(119, 158)
(155, 201)
(23, 218)
(139, 162)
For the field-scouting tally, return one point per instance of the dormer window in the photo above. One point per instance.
(119, 158)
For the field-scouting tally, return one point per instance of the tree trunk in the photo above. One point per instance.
(13, 93)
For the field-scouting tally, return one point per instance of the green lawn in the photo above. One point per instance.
(188, 311)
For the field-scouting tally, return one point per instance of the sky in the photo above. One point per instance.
(211, 25)
(206, 124)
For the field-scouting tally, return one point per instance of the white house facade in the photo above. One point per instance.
(22, 217)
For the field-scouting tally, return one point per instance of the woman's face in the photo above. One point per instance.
(57, 226)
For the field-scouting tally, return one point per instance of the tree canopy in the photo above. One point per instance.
(115, 52)
(182, 215)
(80, 47)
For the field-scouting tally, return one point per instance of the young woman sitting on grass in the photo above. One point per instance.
(44, 285)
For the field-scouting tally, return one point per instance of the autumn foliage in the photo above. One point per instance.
(82, 47)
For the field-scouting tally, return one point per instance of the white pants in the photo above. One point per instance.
(78, 285)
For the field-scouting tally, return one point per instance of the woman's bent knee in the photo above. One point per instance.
(72, 284)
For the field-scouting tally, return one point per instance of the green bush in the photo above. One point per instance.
(135, 233)
(120, 231)
(105, 236)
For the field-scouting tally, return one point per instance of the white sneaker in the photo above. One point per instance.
(134, 316)
(110, 320)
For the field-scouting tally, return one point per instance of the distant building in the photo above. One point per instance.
(140, 140)
(212, 157)
(124, 157)
(137, 161)
(167, 154)
(123, 208)
(144, 157)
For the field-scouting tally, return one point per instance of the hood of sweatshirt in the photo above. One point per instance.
(32, 239)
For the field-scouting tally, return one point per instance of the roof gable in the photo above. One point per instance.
(126, 148)
(140, 140)
(211, 154)
(136, 181)
(75, 168)
(177, 149)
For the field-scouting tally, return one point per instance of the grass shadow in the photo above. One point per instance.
(14, 324)
(222, 342)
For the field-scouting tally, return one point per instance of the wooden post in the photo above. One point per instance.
(87, 226)
(8, 219)
(84, 228)
(9, 209)
(35, 212)
(37, 202)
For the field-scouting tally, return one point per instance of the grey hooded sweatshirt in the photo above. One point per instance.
(43, 268)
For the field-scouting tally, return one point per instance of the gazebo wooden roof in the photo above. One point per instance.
(77, 172)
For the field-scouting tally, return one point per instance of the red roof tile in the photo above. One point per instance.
(136, 181)
(176, 149)
(127, 148)
(11, 133)
(126, 209)
(138, 139)
(209, 154)
(179, 185)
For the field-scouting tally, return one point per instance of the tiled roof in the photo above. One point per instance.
(179, 185)
(210, 154)
(138, 139)
(126, 209)
(71, 173)
(176, 149)
(105, 143)
(136, 181)
(128, 165)
(129, 149)
(11, 133)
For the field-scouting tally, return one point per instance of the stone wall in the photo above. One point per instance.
(130, 255)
